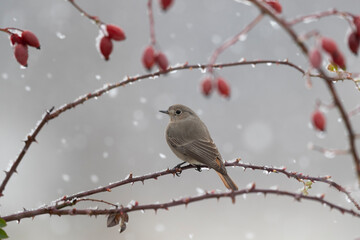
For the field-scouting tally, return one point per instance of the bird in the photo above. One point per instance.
(190, 140)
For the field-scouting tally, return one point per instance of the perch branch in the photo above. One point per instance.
(130, 180)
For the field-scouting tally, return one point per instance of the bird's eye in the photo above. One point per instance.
(178, 112)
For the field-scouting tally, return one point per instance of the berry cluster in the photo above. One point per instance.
(331, 48)
(208, 83)
(112, 32)
(150, 57)
(21, 42)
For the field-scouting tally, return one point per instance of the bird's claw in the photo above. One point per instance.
(177, 170)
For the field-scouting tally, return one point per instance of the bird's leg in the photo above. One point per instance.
(179, 165)
(177, 169)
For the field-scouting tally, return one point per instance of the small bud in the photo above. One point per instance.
(353, 42)
(106, 47)
(223, 87)
(30, 39)
(14, 38)
(315, 58)
(21, 54)
(275, 5)
(338, 59)
(318, 120)
(162, 61)
(328, 45)
(165, 4)
(206, 86)
(115, 32)
(148, 58)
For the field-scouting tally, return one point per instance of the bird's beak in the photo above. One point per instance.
(164, 111)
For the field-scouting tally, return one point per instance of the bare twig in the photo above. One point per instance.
(354, 112)
(151, 23)
(233, 40)
(316, 16)
(108, 87)
(93, 200)
(53, 210)
(84, 13)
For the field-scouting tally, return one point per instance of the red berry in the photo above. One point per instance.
(206, 86)
(162, 61)
(328, 45)
(148, 58)
(275, 5)
(21, 53)
(357, 24)
(115, 32)
(338, 59)
(318, 120)
(14, 38)
(165, 4)
(106, 47)
(353, 42)
(30, 39)
(223, 87)
(315, 58)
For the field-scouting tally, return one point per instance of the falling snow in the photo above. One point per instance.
(65, 178)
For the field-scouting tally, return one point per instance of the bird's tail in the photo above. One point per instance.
(228, 182)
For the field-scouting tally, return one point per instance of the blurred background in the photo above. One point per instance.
(265, 122)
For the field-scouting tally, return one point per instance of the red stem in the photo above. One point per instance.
(319, 15)
(151, 22)
(233, 40)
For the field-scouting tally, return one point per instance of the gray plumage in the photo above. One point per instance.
(190, 140)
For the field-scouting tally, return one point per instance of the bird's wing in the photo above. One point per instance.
(202, 150)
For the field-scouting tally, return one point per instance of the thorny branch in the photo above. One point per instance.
(66, 200)
(53, 210)
(127, 80)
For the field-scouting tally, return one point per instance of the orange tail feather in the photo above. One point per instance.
(228, 182)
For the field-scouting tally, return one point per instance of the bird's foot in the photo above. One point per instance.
(178, 169)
